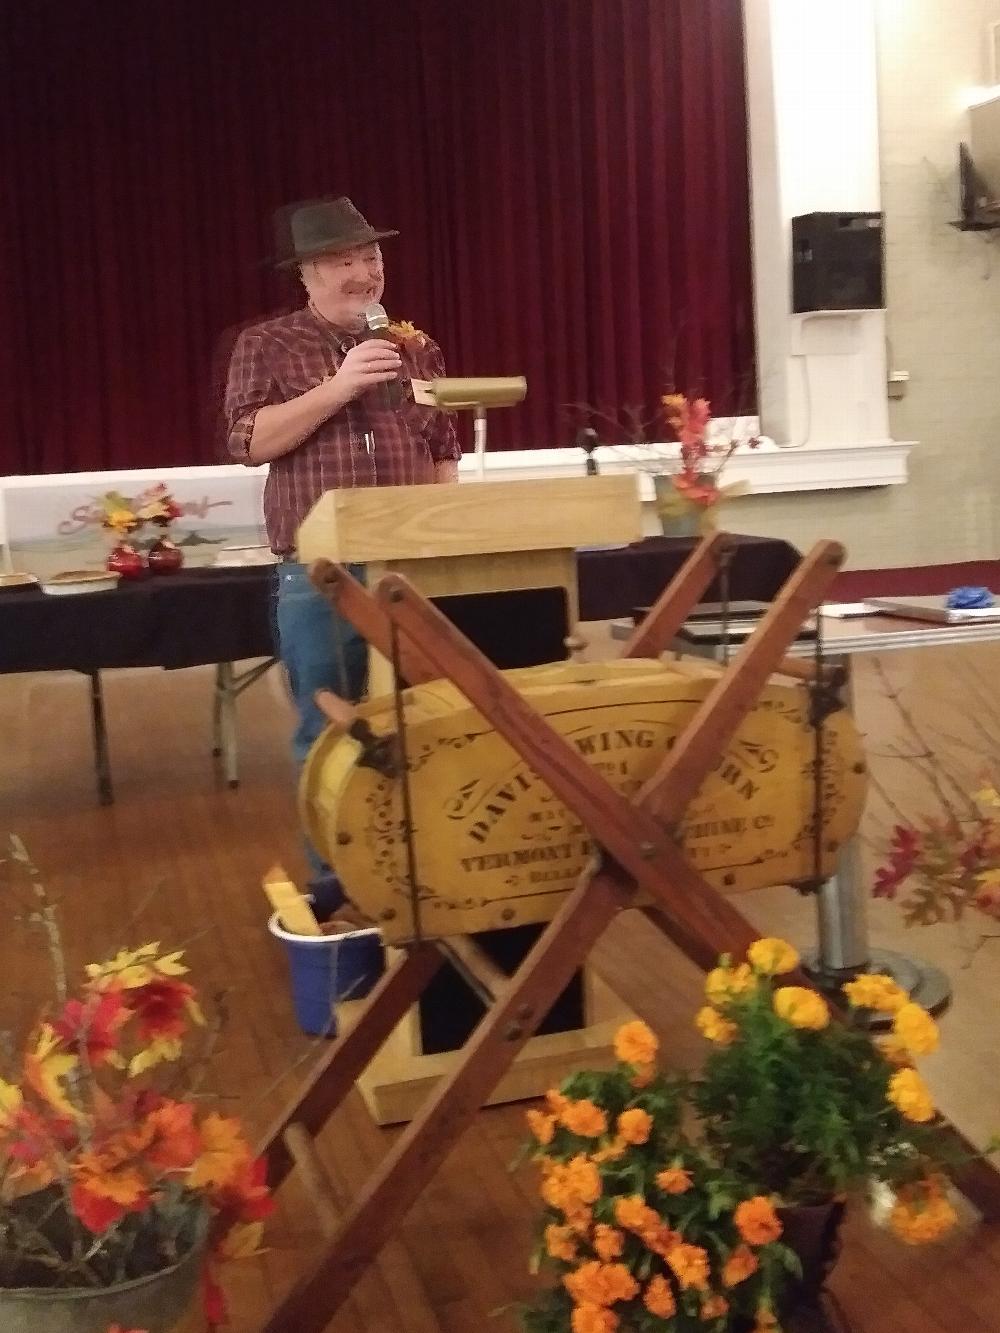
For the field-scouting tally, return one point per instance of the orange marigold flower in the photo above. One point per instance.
(740, 1265)
(658, 1298)
(543, 1126)
(611, 1152)
(643, 1076)
(712, 1025)
(660, 1239)
(608, 1242)
(555, 1100)
(714, 1307)
(916, 1029)
(772, 957)
(567, 1186)
(674, 1180)
(584, 1118)
(921, 1224)
(802, 1008)
(910, 1095)
(724, 983)
(635, 1125)
(757, 1222)
(600, 1284)
(766, 1320)
(560, 1243)
(634, 1214)
(593, 1319)
(636, 1044)
(689, 1264)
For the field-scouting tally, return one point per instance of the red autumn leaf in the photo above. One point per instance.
(213, 1299)
(161, 1007)
(245, 1197)
(93, 1026)
(96, 1211)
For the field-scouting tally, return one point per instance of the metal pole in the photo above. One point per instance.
(479, 428)
(102, 762)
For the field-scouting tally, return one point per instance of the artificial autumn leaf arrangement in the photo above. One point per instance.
(670, 1200)
(106, 1176)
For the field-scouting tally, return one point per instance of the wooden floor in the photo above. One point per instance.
(179, 858)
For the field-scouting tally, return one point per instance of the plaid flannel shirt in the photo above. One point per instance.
(366, 443)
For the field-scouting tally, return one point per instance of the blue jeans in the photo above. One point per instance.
(319, 650)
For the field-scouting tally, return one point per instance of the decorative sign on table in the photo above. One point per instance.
(56, 524)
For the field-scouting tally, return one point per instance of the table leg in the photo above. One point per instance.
(225, 720)
(102, 762)
(217, 712)
(228, 687)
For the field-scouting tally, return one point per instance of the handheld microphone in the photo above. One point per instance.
(377, 323)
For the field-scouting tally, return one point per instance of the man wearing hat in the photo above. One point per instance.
(304, 394)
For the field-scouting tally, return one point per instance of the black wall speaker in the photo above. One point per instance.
(837, 262)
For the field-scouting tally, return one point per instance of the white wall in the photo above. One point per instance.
(943, 317)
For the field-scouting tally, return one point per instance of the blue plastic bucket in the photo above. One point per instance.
(328, 968)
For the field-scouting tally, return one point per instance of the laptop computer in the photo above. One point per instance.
(933, 609)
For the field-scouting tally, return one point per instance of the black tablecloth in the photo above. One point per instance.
(613, 582)
(184, 619)
(201, 616)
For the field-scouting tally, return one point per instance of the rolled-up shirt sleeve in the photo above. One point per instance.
(441, 435)
(249, 387)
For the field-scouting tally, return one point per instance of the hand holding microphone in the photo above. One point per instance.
(371, 363)
(377, 323)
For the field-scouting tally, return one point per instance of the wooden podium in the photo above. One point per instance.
(448, 540)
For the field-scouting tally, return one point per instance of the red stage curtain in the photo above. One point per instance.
(570, 177)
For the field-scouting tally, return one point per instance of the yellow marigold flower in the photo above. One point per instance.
(634, 1214)
(801, 1007)
(634, 1126)
(608, 1242)
(689, 1264)
(910, 1095)
(601, 1284)
(658, 1298)
(756, 1221)
(584, 1118)
(772, 957)
(643, 1076)
(560, 1243)
(894, 1051)
(740, 1265)
(874, 991)
(594, 1319)
(541, 1125)
(674, 1180)
(711, 1024)
(714, 1307)
(636, 1044)
(921, 1221)
(725, 983)
(916, 1029)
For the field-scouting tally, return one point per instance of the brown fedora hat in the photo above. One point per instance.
(316, 227)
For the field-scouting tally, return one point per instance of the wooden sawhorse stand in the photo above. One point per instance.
(638, 853)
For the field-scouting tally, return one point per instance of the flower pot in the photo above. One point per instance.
(164, 557)
(679, 516)
(328, 968)
(156, 1303)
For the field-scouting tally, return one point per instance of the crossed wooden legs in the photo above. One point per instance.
(637, 850)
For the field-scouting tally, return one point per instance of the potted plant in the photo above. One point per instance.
(713, 1201)
(116, 1195)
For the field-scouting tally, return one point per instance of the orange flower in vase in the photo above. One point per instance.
(685, 499)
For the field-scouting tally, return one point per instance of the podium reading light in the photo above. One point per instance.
(476, 395)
